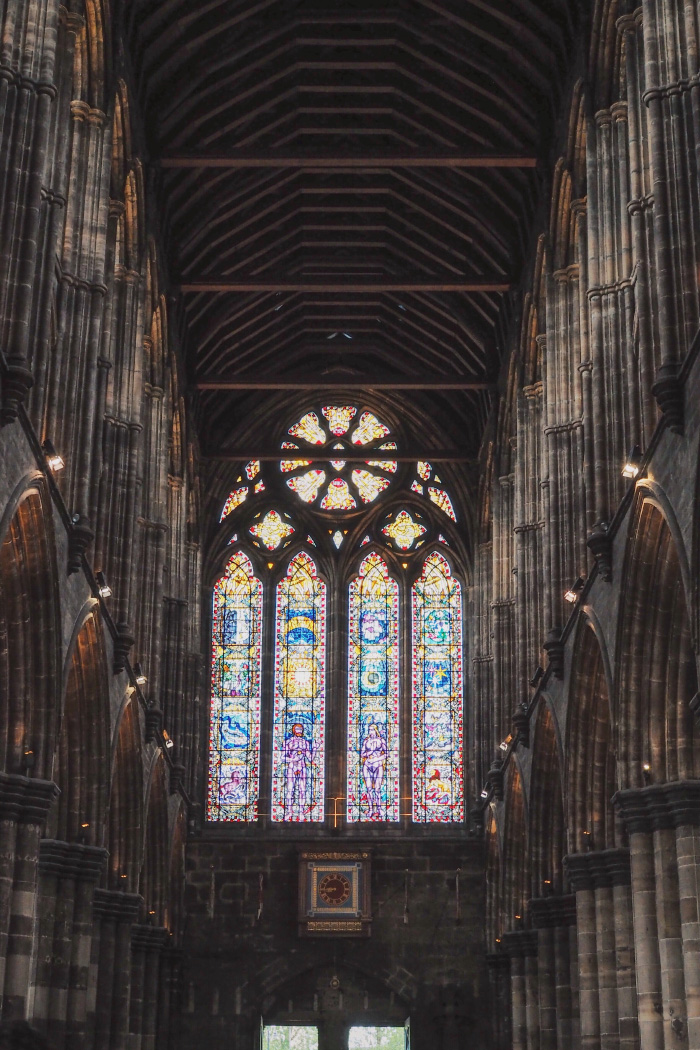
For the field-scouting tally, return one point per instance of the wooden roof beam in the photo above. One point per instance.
(350, 284)
(349, 455)
(394, 159)
(354, 384)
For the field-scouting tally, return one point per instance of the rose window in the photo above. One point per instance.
(339, 484)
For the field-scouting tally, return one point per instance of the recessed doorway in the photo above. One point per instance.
(290, 1037)
(366, 1037)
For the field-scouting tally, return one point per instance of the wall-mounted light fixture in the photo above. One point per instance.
(571, 595)
(53, 460)
(632, 463)
(503, 746)
(103, 587)
(484, 793)
(168, 741)
(139, 676)
(646, 774)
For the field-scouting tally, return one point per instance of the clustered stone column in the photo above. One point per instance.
(601, 881)
(24, 806)
(116, 913)
(554, 918)
(663, 824)
(499, 978)
(68, 873)
(521, 946)
(147, 943)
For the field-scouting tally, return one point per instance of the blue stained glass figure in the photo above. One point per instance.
(438, 774)
(235, 693)
(298, 746)
(373, 695)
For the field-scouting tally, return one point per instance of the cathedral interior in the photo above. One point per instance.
(332, 752)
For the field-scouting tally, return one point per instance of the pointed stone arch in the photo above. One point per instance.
(154, 873)
(126, 804)
(29, 637)
(516, 857)
(591, 779)
(547, 824)
(657, 664)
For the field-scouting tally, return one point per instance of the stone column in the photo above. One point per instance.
(116, 913)
(24, 805)
(521, 947)
(582, 883)
(68, 874)
(147, 943)
(169, 996)
(602, 881)
(663, 822)
(553, 918)
(499, 974)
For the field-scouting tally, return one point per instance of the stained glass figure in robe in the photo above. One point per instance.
(298, 744)
(373, 694)
(438, 774)
(235, 693)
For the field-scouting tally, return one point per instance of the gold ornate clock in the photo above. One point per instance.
(334, 893)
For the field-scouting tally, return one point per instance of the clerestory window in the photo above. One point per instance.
(338, 606)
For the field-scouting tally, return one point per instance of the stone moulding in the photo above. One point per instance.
(659, 806)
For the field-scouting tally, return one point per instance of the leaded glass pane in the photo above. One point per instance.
(235, 694)
(438, 793)
(298, 746)
(373, 694)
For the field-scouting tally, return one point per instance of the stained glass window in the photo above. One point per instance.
(368, 429)
(309, 428)
(298, 744)
(373, 694)
(368, 485)
(272, 530)
(339, 418)
(307, 486)
(403, 530)
(338, 496)
(438, 793)
(443, 501)
(252, 469)
(235, 693)
(235, 499)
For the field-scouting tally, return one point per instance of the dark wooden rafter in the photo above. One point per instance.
(341, 382)
(350, 284)
(450, 455)
(337, 161)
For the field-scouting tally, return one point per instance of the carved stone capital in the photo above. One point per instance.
(122, 646)
(659, 806)
(148, 938)
(71, 860)
(554, 648)
(549, 912)
(521, 726)
(79, 539)
(668, 391)
(115, 906)
(154, 723)
(589, 871)
(26, 800)
(599, 544)
(519, 944)
(15, 383)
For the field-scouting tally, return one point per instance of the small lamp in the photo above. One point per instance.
(632, 463)
(53, 460)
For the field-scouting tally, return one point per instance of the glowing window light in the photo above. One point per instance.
(373, 694)
(287, 465)
(298, 735)
(368, 429)
(404, 531)
(424, 470)
(338, 496)
(309, 429)
(337, 538)
(438, 788)
(234, 749)
(443, 540)
(235, 499)
(364, 541)
(339, 418)
(443, 501)
(338, 464)
(417, 487)
(307, 485)
(368, 485)
(388, 465)
(259, 487)
(272, 530)
(252, 469)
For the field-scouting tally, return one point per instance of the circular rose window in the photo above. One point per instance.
(338, 484)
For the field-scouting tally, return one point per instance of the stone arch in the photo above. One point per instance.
(657, 677)
(81, 759)
(547, 826)
(591, 779)
(154, 874)
(29, 637)
(516, 867)
(494, 884)
(125, 825)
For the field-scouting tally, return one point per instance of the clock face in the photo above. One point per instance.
(334, 888)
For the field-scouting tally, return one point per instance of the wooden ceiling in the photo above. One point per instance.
(347, 195)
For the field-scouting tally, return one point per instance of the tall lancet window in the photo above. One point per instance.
(373, 694)
(235, 693)
(298, 744)
(438, 776)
